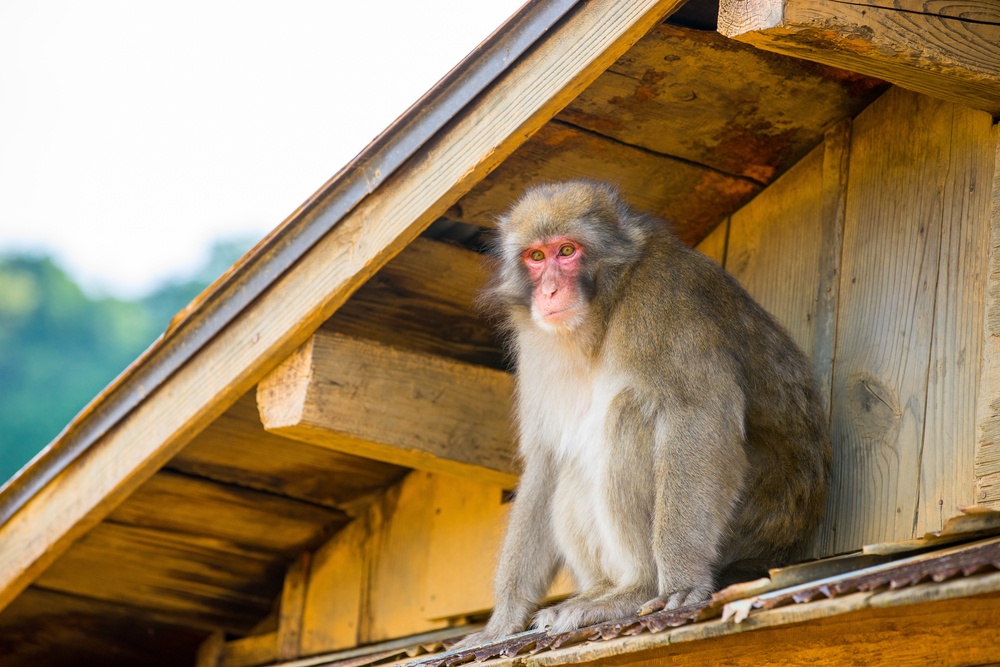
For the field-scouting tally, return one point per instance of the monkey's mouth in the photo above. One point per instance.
(563, 318)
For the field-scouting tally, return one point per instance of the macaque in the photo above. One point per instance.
(670, 430)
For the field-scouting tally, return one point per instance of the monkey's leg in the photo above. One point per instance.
(529, 557)
(700, 470)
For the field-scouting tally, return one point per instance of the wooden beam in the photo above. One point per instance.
(424, 300)
(695, 197)
(406, 408)
(674, 93)
(945, 50)
(477, 139)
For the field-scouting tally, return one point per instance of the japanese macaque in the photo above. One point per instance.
(670, 430)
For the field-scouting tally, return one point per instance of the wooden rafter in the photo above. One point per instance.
(949, 50)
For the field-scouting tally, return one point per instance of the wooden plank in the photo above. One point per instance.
(714, 245)
(904, 168)
(213, 583)
(950, 633)
(694, 197)
(292, 608)
(949, 50)
(467, 527)
(987, 463)
(675, 93)
(424, 300)
(399, 560)
(947, 465)
(404, 408)
(836, 163)
(49, 628)
(236, 449)
(172, 502)
(775, 244)
(332, 608)
(481, 136)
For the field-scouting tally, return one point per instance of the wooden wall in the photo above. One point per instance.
(874, 252)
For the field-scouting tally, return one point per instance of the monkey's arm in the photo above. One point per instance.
(529, 558)
(700, 469)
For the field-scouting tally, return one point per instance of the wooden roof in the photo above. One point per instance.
(166, 510)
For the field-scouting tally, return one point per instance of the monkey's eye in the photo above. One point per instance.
(567, 250)
(536, 255)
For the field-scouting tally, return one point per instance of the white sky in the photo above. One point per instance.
(132, 134)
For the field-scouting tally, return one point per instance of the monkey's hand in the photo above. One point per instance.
(676, 599)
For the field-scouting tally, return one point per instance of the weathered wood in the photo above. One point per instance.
(775, 243)
(949, 50)
(698, 96)
(478, 138)
(292, 608)
(236, 449)
(912, 158)
(47, 628)
(951, 633)
(336, 589)
(424, 300)
(987, 464)
(400, 407)
(714, 245)
(836, 161)
(172, 502)
(696, 198)
(949, 435)
(215, 584)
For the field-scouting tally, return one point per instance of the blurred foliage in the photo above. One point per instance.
(59, 346)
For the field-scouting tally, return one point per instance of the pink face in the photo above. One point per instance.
(553, 267)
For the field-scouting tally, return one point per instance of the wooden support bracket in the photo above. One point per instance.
(945, 50)
(407, 408)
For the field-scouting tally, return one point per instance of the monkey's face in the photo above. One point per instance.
(554, 267)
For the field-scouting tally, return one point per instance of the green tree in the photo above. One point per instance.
(59, 347)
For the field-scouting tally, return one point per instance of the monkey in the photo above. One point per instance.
(669, 429)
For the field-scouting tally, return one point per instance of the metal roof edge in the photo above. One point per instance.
(232, 293)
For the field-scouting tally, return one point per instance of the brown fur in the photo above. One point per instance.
(712, 448)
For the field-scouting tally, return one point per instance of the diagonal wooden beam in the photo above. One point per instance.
(480, 135)
(949, 50)
(411, 409)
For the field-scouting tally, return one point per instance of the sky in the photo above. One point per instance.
(133, 134)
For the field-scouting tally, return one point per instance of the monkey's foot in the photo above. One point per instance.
(679, 598)
(580, 612)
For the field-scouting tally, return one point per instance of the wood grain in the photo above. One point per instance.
(714, 245)
(292, 608)
(775, 246)
(694, 197)
(424, 300)
(213, 583)
(956, 352)
(236, 449)
(475, 142)
(987, 463)
(390, 405)
(675, 93)
(946, 50)
(337, 583)
(898, 240)
(176, 503)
